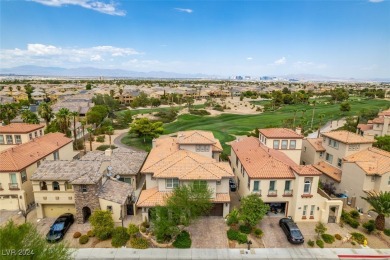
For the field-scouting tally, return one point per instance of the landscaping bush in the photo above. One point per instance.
(310, 243)
(90, 233)
(199, 112)
(103, 233)
(139, 243)
(353, 243)
(258, 232)
(369, 226)
(142, 229)
(83, 239)
(320, 243)
(338, 236)
(132, 229)
(145, 224)
(100, 138)
(242, 238)
(78, 144)
(182, 240)
(76, 235)
(119, 237)
(328, 238)
(358, 237)
(347, 218)
(387, 231)
(354, 214)
(104, 147)
(354, 223)
(232, 217)
(232, 234)
(245, 229)
(218, 108)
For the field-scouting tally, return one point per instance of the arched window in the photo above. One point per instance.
(307, 187)
(56, 185)
(43, 185)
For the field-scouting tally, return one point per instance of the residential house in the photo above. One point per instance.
(379, 126)
(19, 133)
(288, 188)
(286, 140)
(20, 162)
(192, 157)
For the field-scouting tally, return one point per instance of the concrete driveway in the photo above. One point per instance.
(208, 232)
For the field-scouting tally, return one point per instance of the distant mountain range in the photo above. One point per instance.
(31, 70)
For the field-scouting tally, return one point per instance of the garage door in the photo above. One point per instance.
(53, 211)
(8, 203)
(217, 210)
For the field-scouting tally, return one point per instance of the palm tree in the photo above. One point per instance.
(380, 203)
(8, 112)
(109, 132)
(74, 115)
(30, 117)
(83, 123)
(90, 137)
(62, 118)
(45, 112)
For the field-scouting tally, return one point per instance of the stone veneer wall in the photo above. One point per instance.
(86, 199)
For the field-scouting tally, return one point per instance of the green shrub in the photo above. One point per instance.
(387, 231)
(328, 238)
(353, 243)
(90, 233)
(232, 217)
(369, 226)
(139, 243)
(100, 138)
(142, 229)
(104, 147)
(78, 144)
(258, 232)
(310, 243)
(199, 112)
(83, 239)
(232, 234)
(132, 229)
(103, 233)
(76, 235)
(338, 236)
(245, 229)
(354, 214)
(354, 223)
(242, 238)
(347, 218)
(320, 243)
(119, 237)
(358, 237)
(145, 224)
(182, 240)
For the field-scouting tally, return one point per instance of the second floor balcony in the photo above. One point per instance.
(13, 186)
(288, 193)
(272, 193)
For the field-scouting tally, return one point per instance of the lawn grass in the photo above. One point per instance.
(137, 142)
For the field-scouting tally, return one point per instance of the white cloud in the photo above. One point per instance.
(41, 49)
(96, 57)
(99, 6)
(280, 61)
(375, 1)
(249, 58)
(184, 10)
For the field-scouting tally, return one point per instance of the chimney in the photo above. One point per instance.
(108, 152)
(298, 130)
(154, 143)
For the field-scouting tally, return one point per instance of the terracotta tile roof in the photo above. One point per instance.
(372, 161)
(306, 170)
(317, 144)
(262, 162)
(329, 170)
(364, 127)
(19, 157)
(20, 128)
(221, 197)
(115, 191)
(378, 120)
(347, 137)
(384, 113)
(280, 133)
(195, 137)
(152, 197)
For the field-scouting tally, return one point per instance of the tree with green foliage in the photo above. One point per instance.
(380, 203)
(109, 132)
(124, 118)
(339, 94)
(8, 112)
(102, 224)
(90, 137)
(320, 229)
(29, 117)
(345, 106)
(74, 115)
(143, 127)
(46, 112)
(25, 238)
(63, 120)
(88, 86)
(96, 114)
(23, 103)
(252, 210)
(29, 90)
(106, 100)
(383, 142)
(141, 100)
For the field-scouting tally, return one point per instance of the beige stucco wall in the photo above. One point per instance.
(116, 209)
(310, 155)
(384, 182)
(293, 154)
(150, 183)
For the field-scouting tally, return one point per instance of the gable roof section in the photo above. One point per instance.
(364, 127)
(330, 171)
(20, 128)
(280, 133)
(195, 137)
(372, 161)
(115, 191)
(19, 157)
(261, 162)
(317, 144)
(306, 170)
(347, 137)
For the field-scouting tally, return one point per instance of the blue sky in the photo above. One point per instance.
(349, 38)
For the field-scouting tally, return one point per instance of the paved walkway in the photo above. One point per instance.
(208, 232)
(204, 253)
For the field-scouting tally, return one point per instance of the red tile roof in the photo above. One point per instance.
(372, 161)
(20, 128)
(280, 133)
(329, 170)
(317, 144)
(306, 170)
(347, 137)
(364, 127)
(19, 157)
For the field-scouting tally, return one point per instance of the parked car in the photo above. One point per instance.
(60, 227)
(232, 185)
(292, 231)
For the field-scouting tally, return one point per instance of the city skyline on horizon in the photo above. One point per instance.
(224, 38)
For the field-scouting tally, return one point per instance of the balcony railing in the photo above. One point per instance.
(288, 193)
(272, 193)
(13, 186)
(257, 192)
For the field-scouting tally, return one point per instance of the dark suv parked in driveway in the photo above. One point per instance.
(60, 226)
(291, 230)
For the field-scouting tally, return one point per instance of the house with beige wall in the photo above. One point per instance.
(288, 188)
(20, 162)
(286, 140)
(19, 133)
(379, 126)
(191, 157)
